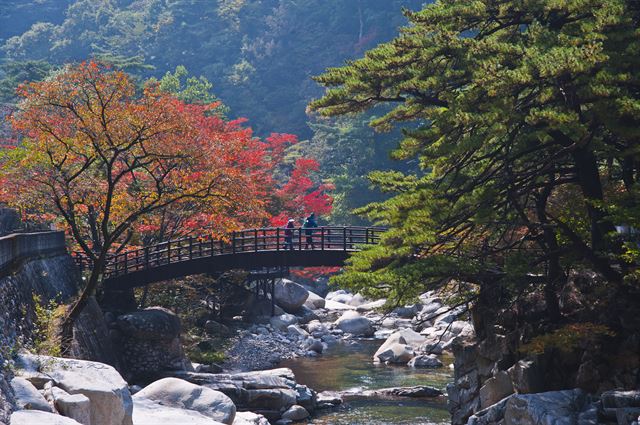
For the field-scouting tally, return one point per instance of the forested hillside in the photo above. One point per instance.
(259, 57)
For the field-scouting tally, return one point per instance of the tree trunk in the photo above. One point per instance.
(589, 181)
(66, 331)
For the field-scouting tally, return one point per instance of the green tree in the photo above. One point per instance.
(190, 89)
(348, 149)
(527, 136)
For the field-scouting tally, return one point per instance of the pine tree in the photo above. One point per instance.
(527, 136)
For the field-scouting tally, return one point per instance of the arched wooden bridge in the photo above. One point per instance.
(248, 249)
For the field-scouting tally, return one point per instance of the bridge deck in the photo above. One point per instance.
(248, 249)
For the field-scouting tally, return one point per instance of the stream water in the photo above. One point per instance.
(345, 367)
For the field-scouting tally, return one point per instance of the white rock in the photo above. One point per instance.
(283, 321)
(296, 331)
(333, 294)
(75, 406)
(356, 300)
(109, 394)
(174, 392)
(334, 305)
(402, 337)
(28, 397)
(315, 327)
(146, 412)
(428, 361)
(295, 413)
(352, 322)
(372, 305)
(396, 353)
(38, 417)
(249, 418)
(314, 301)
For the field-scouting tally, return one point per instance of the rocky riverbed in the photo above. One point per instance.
(251, 387)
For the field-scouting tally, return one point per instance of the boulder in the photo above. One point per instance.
(305, 315)
(342, 298)
(316, 328)
(38, 417)
(371, 305)
(283, 321)
(402, 337)
(431, 347)
(352, 322)
(549, 408)
(109, 394)
(180, 394)
(406, 312)
(334, 305)
(249, 418)
(620, 399)
(313, 344)
(27, 396)
(331, 295)
(289, 295)
(150, 342)
(154, 323)
(296, 331)
(527, 377)
(356, 301)
(295, 413)
(329, 399)
(395, 353)
(314, 301)
(306, 397)
(75, 406)
(411, 392)
(147, 412)
(426, 361)
(495, 389)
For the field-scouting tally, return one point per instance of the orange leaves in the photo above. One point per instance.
(113, 162)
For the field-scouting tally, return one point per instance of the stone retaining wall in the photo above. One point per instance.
(20, 246)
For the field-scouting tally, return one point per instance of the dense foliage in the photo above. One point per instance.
(527, 135)
(117, 166)
(258, 54)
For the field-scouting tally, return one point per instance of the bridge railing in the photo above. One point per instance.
(251, 240)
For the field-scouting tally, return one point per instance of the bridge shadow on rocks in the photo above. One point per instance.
(251, 249)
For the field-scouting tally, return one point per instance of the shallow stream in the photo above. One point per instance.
(345, 367)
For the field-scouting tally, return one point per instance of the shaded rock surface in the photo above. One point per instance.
(28, 397)
(289, 295)
(149, 341)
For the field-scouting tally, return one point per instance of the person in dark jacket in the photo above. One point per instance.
(288, 234)
(308, 225)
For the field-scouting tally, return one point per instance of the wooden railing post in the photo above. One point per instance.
(344, 238)
(233, 243)
(278, 239)
(255, 240)
(322, 238)
(300, 239)
(126, 266)
(190, 247)
(146, 257)
(168, 252)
